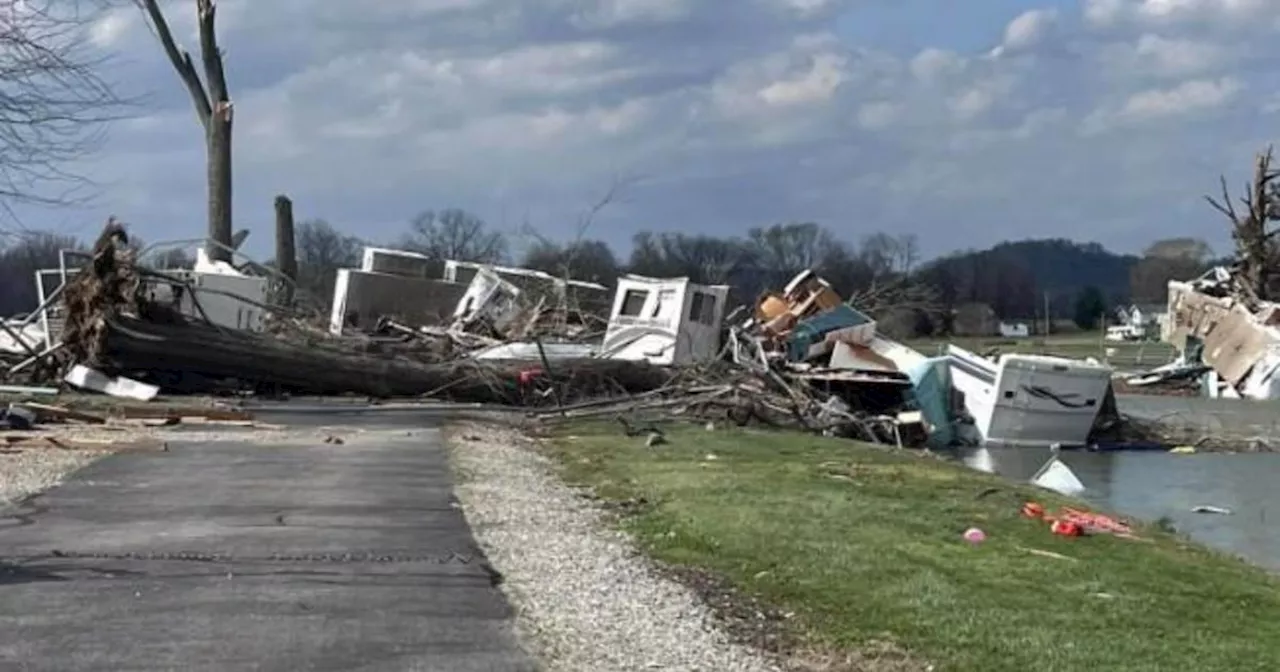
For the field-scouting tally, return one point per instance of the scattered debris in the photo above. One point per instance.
(85, 378)
(1205, 508)
(1228, 338)
(1055, 475)
(1050, 554)
(661, 349)
(1072, 522)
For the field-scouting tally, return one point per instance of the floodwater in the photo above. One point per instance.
(1152, 485)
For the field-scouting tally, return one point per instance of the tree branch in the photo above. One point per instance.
(1224, 206)
(212, 56)
(180, 59)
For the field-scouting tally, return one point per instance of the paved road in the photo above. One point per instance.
(235, 557)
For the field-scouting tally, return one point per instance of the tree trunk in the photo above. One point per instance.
(219, 187)
(286, 251)
(193, 350)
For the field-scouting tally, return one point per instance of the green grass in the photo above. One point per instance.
(864, 545)
(1135, 355)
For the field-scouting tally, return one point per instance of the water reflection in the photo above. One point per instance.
(1151, 485)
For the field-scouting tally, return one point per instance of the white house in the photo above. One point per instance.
(665, 321)
(1142, 315)
(1014, 330)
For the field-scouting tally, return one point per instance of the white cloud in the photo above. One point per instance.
(814, 85)
(932, 64)
(1029, 29)
(1186, 98)
(1157, 56)
(609, 13)
(1110, 13)
(741, 113)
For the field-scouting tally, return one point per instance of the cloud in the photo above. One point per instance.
(1171, 13)
(1102, 119)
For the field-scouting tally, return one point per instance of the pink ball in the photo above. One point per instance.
(974, 536)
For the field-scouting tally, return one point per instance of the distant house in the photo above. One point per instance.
(1141, 320)
(1142, 315)
(1014, 330)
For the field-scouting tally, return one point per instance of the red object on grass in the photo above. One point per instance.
(1065, 528)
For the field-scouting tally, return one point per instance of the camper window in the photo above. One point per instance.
(703, 308)
(665, 296)
(633, 302)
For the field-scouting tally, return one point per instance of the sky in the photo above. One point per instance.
(964, 123)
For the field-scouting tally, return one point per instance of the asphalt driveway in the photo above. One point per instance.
(231, 556)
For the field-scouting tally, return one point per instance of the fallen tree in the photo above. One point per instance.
(112, 325)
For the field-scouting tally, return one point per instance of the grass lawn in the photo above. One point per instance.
(1079, 346)
(864, 545)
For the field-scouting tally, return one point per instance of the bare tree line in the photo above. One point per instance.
(55, 102)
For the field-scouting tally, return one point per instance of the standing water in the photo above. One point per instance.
(1151, 485)
(1154, 485)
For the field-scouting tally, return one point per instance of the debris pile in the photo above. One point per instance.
(802, 357)
(514, 338)
(1229, 339)
(115, 325)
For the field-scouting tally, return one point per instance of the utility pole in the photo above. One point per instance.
(1048, 322)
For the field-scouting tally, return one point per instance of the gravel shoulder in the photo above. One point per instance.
(26, 472)
(585, 598)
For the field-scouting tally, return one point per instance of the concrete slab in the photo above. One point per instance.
(229, 556)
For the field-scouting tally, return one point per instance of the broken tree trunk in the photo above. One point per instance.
(132, 344)
(286, 251)
(213, 109)
(1256, 254)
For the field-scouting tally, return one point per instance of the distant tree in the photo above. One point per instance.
(30, 252)
(783, 250)
(589, 260)
(1194, 249)
(322, 250)
(455, 234)
(704, 259)
(1091, 305)
(1014, 277)
(885, 254)
(1165, 260)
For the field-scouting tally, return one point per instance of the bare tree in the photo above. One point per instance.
(1256, 253)
(589, 260)
(213, 109)
(578, 258)
(31, 252)
(321, 251)
(54, 104)
(782, 250)
(455, 234)
(1165, 260)
(907, 248)
(703, 259)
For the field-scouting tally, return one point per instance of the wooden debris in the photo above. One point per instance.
(49, 412)
(31, 440)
